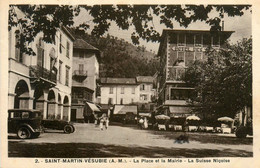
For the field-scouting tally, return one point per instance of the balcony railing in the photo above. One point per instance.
(80, 73)
(40, 72)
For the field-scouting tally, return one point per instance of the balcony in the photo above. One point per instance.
(80, 75)
(41, 75)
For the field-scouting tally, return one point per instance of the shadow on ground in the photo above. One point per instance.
(85, 150)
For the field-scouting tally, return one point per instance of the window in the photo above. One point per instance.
(18, 53)
(181, 57)
(15, 115)
(122, 90)
(181, 40)
(81, 69)
(133, 90)
(81, 54)
(111, 90)
(80, 95)
(67, 76)
(25, 115)
(179, 94)
(60, 71)
(40, 53)
(189, 39)
(198, 40)
(121, 101)
(61, 43)
(110, 100)
(142, 87)
(143, 97)
(68, 49)
(132, 100)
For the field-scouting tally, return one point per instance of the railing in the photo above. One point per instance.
(38, 71)
(80, 73)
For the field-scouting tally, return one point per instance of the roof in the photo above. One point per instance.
(165, 31)
(144, 79)
(82, 44)
(123, 109)
(122, 81)
(68, 32)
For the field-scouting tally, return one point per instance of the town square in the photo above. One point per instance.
(130, 81)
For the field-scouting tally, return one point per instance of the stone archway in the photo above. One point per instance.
(22, 96)
(66, 108)
(51, 105)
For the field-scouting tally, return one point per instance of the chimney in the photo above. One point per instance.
(222, 28)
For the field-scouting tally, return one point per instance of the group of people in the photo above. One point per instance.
(102, 121)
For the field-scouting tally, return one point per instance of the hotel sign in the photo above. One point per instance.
(195, 49)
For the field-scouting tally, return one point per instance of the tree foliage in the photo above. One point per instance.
(223, 82)
(122, 59)
(47, 18)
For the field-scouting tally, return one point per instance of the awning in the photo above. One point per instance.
(93, 107)
(145, 114)
(179, 110)
(123, 109)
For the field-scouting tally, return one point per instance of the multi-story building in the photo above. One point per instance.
(119, 91)
(137, 91)
(42, 82)
(177, 51)
(85, 73)
(146, 93)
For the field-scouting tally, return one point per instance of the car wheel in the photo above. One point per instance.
(68, 129)
(24, 133)
(73, 128)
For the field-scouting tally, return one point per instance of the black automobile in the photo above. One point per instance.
(66, 126)
(26, 123)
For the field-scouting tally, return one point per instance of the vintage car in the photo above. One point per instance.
(66, 126)
(25, 123)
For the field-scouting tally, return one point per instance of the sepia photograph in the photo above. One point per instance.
(89, 82)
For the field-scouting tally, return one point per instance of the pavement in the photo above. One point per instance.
(125, 136)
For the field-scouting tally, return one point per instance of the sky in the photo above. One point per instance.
(242, 25)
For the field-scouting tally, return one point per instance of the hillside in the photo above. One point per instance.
(122, 59)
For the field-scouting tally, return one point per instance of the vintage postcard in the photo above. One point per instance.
(129, 84)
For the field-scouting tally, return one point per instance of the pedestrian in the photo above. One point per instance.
(145, 123)
(107, 122)
(96, 119)
(141, 122)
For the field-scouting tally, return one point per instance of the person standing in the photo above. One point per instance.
(145, 123)
(107, 122)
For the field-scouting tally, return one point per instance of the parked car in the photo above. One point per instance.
(66, 126)
(26, 123)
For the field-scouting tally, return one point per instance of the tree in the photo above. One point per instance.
(223, 82)
(47, 18)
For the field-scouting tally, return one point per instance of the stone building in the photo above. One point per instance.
(178, 50)
(43, 81)
(85, 74)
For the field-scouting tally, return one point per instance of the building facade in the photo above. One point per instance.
(85, 73)
(177, 51)
(137, 91)
(119, 91)
(43, 81)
